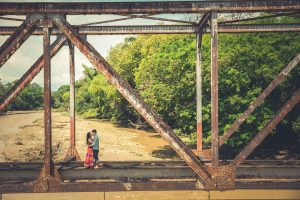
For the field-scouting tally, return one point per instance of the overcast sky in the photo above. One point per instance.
(32, 49)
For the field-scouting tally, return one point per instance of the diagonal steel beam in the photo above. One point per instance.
(288, 106)
(13, 43)
(30, 74)
(134, 99)
(203, 21)
(258, 101)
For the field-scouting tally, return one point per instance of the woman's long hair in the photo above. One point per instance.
(88, 136)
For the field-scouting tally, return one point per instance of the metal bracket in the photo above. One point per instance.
(222, 178)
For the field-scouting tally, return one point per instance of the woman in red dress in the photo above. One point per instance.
(89, 157)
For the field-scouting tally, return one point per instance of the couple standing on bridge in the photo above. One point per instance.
(91, 158)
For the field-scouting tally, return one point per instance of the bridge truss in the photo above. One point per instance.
(50, 19)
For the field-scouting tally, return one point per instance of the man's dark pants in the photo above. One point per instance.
(96, 152)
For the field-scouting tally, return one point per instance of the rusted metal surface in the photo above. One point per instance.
(223, 178)
(148, 7)
(163, 19)
(199, 91)
(13, 43)
(149, 163)
(49, 178)
(205, 154)
(166, 29)
(258, 101)
(72, 149)
(139, 170)
(260, 17)
(134, 99)
(214, 89)
(30, 74)
(145, 186)
(47, 103)
(259, 137)
(203, 22)
(72, 96)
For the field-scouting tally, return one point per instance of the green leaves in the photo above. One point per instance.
(161, 68)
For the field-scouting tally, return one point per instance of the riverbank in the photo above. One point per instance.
(22, 136)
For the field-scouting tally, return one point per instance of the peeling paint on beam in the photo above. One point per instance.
(148, 7)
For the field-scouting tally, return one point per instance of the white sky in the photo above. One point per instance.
(32, 49)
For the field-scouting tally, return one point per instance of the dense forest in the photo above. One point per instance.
(161, 68)
(31, 98)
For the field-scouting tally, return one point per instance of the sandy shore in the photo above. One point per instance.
(22, 134)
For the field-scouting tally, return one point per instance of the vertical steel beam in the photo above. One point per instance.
(258, 101)
(214, 89)
(13, 43)
(47, 103)
(288, 106)
(199, 90)
(72, 96)
(72, 152)
(30, 74)
(123, 87)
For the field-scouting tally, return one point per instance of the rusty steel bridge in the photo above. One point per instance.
(200, 169)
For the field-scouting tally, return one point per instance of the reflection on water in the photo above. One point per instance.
(169, 195)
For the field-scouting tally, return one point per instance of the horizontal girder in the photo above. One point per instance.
(150, 170)
(165, 29)
(143, 175)
(13, 8)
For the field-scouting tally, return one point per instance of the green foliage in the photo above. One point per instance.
(161, 68)
(29, 99)
(60, 98)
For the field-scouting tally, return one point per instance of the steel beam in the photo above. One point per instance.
(30, 74)
(26, 173)
(72, 151)
(72, 97)
(19, 36)
(259, 100)
(131, 170)
(260, 17)
(165, 29)
(145, 186)
(203, 22)
(158, 7)
(163, 19)
(214, 89)
(145, 163)
(259, 137)
(47, 103)
(199, 91)
(134, 99)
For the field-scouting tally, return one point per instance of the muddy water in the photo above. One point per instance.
(170, 195)
(23, 136)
